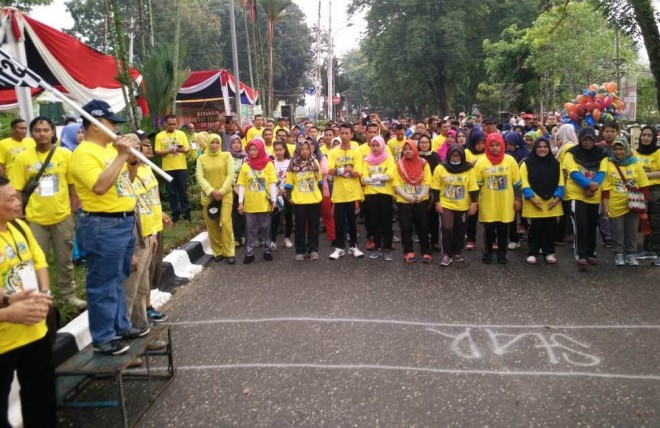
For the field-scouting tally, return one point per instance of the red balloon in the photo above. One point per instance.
(580, 110)
(607, 101)
(594, 87)
(589, 106)
(596, 114)
(610, 86)
(573, 116)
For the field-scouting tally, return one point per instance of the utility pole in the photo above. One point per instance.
(131, 40)
(317, 95)
(618, 62)
(151, 27)
(234, 52)
(330, 61)
(247, 40)
(175, 61)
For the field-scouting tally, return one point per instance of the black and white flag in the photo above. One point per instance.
(12, 73)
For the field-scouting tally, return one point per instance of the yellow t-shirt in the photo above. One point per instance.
(257, 187)
(472, 158)
(496, 194)
(165, 141)
(454, 188)
(143, 207)
(379, 187)
(396, 147)
(89, 161)
(528, 209)
(9, 148)
(270, 150)
(410, 189)
(150, 183)
(13, 336)
(49, 203)
(635, 177)
(291, 148)
(345, 189)
(562, 152)
(252, 133)
(575, 192)
(305, 188)
(650, 163)
(215, 171)
(437, 142)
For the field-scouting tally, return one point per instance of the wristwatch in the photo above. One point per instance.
(5, 298)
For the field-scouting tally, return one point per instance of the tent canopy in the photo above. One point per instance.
(213, 85)
(61, 60)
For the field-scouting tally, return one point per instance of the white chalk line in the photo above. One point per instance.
(414, 323)
(414, 369)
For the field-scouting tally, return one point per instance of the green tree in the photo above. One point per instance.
(275, 11)
(647, 109)
(24, 5)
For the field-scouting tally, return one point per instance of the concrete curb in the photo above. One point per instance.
(179, 266)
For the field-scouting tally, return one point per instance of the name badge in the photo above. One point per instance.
(47, 185)
(28, 276)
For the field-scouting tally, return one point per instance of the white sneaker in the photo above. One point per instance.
(288, 243)
(551, 259)
(337, 254)
(273, 245)
(355, 252)
(513, 245)
(619, 260)
(530, 259)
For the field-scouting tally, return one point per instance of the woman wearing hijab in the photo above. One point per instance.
(475, 150)
(585, 165)
(433, 158)
(238, 156)
(566, 138)
(378, 169)
(516, 147)
(623, 171)
(455, 192)
(215, 175)
(462, 137)
(649, 156)
(499, 179)
(303, 182)
(543, 191)
(257, 198)
(71, 136)
(412, 180)
(444, 148)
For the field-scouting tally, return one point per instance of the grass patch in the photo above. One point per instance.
(180, 233)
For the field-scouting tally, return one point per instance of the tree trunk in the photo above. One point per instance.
(645, 17)
(270, 68)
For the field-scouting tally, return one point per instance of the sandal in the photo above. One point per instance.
(426, 258)
(410, 258)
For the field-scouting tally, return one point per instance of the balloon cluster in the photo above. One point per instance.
(597, 103)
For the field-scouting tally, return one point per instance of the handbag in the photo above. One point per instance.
(33, 183)
(636, 201)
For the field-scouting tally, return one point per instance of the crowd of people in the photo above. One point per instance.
(439, 178)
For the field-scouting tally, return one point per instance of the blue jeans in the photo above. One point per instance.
(109, 244)
(176, 193)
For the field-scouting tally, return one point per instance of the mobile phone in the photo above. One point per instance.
(228, 120)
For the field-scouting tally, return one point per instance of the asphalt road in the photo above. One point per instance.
(360, 342)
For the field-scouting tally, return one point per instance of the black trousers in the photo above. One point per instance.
(33, 364)
(414, 216)
(472, 227)
(379, 212)
(434, 225)
(307, 227)
(237, 220)
(176, 193)
(585, 226)
(453, 231)
(541, 236)
(494, 230)
(288, 221)
(345, 214)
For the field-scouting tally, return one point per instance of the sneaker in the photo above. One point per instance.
(114, 347)
(268, 257)
(157, 345)
(427, 258)
(513, 245)
(248, 259)
(619, 260)
(78, 303)
(592, 260)
(218, 258)
(374, 254)
(551, 259)
(645, 255)
(387, 255)
(656, 262)
(288, 243)
(582, 262)
(470, 245)
(137, 362)
(607, 243)
(410, 258)
(300, 257)
(396, 239)
(531, 260)
(458, 258)
(495, 246)
(156, 316)
(446, 260)
(133, 333)
(273, 246)
(355, 252)
(631, 260)
(314, 255)
(231, 260)
(337, 254)
(371, 245)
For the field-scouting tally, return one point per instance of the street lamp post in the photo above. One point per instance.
(331, 64)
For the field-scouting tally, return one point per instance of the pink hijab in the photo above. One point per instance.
(377, 160)
(442, 151)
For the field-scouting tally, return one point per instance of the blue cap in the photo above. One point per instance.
(101, 109)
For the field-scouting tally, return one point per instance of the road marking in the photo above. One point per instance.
(416, 323)
(414, 369)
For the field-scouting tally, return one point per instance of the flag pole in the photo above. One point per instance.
(15, 73)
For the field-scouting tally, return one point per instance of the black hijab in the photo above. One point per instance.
(542, 172)
(461, 167)
(648, 149)
(591, 158)
(475, 136)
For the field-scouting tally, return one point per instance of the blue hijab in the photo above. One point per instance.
(520, 150)
(69, 136)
